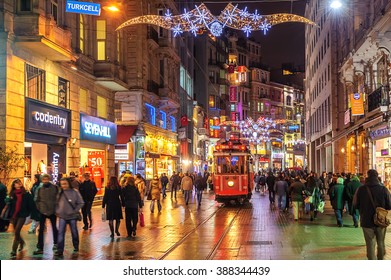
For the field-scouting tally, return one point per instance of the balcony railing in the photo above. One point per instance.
(152, 86)
(378, 98)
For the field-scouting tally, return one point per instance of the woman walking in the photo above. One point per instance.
(131, 200)
(140, 185)
(155, 190)
(296, 192)
(69, 203)
(113, 203)
(33, 191)
(22, 205)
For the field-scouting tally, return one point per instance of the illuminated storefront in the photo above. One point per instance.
(381, 137)
(47, 129)
(96, 137)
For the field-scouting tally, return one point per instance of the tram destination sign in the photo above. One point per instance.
(86, 8)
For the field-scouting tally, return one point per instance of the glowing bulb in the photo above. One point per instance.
(335, 4)
(111, 8)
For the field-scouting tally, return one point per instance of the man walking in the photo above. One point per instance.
(187, 187)
(88, 191)
(281, 188)
(362, 200)
(164, 182)
(45, 200)
(175, 182)
(74, 181)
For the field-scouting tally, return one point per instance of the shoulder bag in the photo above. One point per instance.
(78, 214)
(380, 218)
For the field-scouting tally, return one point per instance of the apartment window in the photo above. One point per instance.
(35, 82)
(212, 101)
(233, 108)
(63, 92)
(151, 114)
(54, 9)
(81, 33)
(163, 119)
(212, 77)
(289, 100)
(25, 5)
(101, 39)
(83, 100)
(259, 107)
(102, 107)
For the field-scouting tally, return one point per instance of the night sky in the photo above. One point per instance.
(284, 43)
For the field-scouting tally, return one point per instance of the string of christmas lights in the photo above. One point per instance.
(200, 19)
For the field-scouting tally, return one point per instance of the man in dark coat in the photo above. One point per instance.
(270, 181)
(3, 195)
(337, 200)
(88, 191)
(175, 183)
(164, 181)
(382, 198)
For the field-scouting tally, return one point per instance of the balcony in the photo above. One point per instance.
(153, 87)
(152, 35)
(110, 76)
(168, 99)
(41, 36)
(378, 98)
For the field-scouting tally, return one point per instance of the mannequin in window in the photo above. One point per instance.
(41, 168)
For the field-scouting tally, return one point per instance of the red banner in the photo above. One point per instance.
(96, 161)
(184, 121)
(233, 94)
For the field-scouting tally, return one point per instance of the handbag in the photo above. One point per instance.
(6, 214)
(321, 206)
(149, 195)
(141, 218)
(104, 217)
(78, 214)
(380, 218)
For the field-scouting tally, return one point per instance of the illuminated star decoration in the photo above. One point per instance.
(200, 19)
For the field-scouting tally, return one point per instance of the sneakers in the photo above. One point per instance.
(38, 252)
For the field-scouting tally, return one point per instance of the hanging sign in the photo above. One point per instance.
(233, 94)
(86, 8)
(357, 102)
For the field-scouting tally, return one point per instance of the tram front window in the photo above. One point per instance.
(230, 165)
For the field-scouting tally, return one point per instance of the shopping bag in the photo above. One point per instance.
(141, 218)
(321, 207)
(104, 218)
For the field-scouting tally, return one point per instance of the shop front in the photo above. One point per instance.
(127, 136)
(96, 136)
(47, 130)
(381, 137)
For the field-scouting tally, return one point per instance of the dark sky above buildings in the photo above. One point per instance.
(284, 43)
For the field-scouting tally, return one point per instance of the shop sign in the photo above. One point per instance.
(278, 155)
(347, 117)
(86, 8)
(121, 154)
(182, 133)
(98, 130)
(233, 94)
(380, 133)
(357, 103)
(56, 161)
(47, 119)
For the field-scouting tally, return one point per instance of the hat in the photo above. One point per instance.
(372, 173)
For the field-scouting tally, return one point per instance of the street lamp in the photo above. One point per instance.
(335, 4)
(111, 8)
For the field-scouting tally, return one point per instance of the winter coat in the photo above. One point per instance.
(350, 191)
(362, 202)
(155, 188)
(45, 199)
(296, 191)
(88, 191)
(175, 181)
(164, 180)
(337, 197)
(131, 197)
(270, 180)
(281, 187)
(69, 203)
(112, 201)
(28, 206)
(140, 184)
(200, 183)
(187, 183)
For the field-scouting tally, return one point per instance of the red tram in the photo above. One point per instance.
(233, 175)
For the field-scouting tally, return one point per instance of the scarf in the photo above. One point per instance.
(19, 197)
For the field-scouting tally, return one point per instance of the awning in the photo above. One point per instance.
(125, 133)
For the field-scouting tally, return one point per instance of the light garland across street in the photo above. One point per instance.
(200, 19)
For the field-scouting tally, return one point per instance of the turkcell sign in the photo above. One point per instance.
(98, 130)
(86, 8)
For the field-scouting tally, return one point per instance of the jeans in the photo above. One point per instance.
(373, 236)
(173, 189)
(164, 190)
(356, 216)
(62, 226)
(159, 206)
(187, 196)
(86, 211)
(42, 223)
(297, 209)
(281, 202)
(199, 196)
(338, 215)
(18, 225)
(131, 219)
(272, 196)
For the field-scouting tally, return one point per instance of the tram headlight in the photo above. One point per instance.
(230, 183)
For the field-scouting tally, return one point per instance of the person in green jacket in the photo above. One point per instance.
(350, 191)
(337, 200)
(22, 205)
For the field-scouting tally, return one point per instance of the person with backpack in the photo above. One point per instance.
(69, 203)
(369, 196)
(88, 191)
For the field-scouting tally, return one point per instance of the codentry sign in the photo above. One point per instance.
(98, 130)
(86, 8)
(45, 118)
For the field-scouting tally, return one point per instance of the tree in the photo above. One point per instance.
(10, 162)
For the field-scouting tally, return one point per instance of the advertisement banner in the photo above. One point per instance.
(357, 103)
(233, 94)
(96, 161)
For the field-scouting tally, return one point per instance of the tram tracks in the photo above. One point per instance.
(211, 254)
